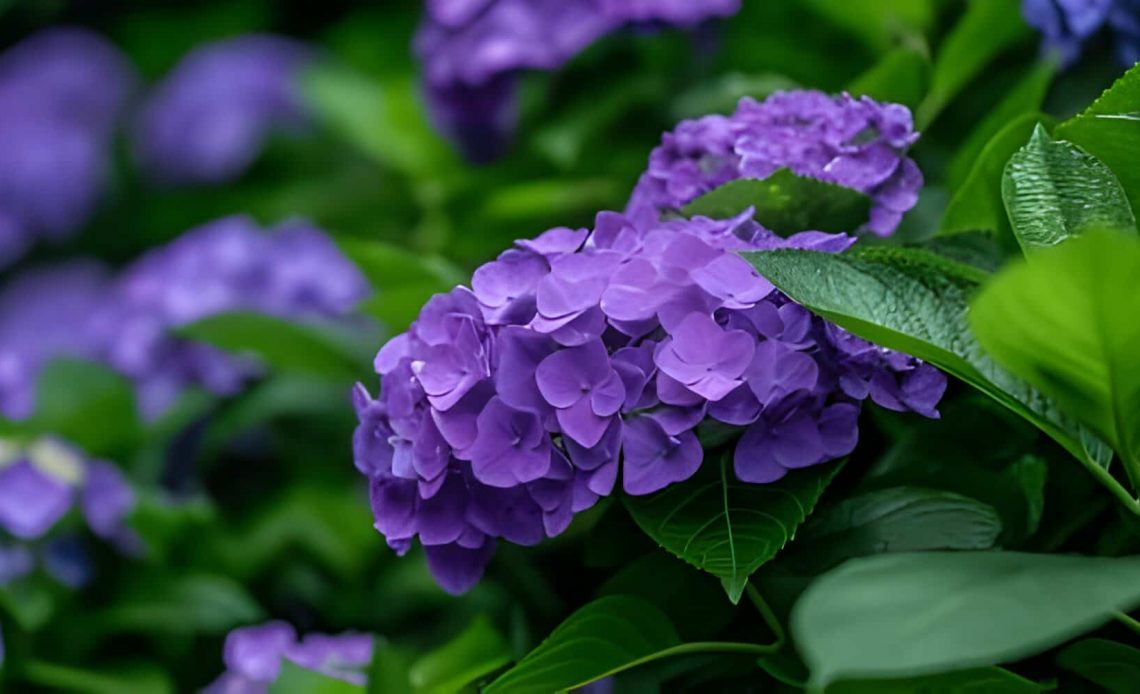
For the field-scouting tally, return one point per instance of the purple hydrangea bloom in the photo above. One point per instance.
(472, 50)
(44, 314)
(583, 355)
(42, 482)
(207, 121)
(1067, 25)
(856, 143)
(294, 271)
(62, 91)
(253, 657)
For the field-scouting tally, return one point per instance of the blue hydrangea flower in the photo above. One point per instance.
(1067, 25)
(208, 120)
(62, 91)
(253, 657)
(856, 143)
(471, 51)
(293, 271)
(45, 313)
(583, 356)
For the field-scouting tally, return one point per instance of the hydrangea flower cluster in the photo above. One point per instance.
(1067, 25)
(253, 657)
(856, 143)
(510, 406)
(43, 314)
(62, 92)
(39, 484)
(472, 50)
(207, 121)
(294, 271)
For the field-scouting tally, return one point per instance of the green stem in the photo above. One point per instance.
(1104, 477)
(768, 615)
(1128, 621)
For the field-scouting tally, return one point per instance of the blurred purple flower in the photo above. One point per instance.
(1067, 25)
(506, 409)
(45, 313)
(43, 481)
(253, 657)
(208, 120)
(294, 271)
(856, 143)
(472, 51)
(62, 92)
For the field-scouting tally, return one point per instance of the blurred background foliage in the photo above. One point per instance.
(249, 507)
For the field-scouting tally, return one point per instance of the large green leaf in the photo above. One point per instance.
(726, 527)
(976, 204)
(609, 635)
(927, 612)
(786, 203)
(983, 680)
(475, 653)
(605, 636)
(988, 28)
(294, 679)
(1067, 322)
(1110, 131)
(898, 519)
(1112, 665)
(1054, 190)
(917, 303)
(278, 343)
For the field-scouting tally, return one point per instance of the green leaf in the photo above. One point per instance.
(1029, 472)
(914, 614)
(1025, 98)
(916, 302)
(1066, 322)
(977, 205)
(87, 404)
(383, 119)
(786, 203)
(475, 653)
(277, 397)
(606, 636)
(1110, 131)
(124, 678)
(311, 521)
(389, 267)
(985, 680)
(186, 604)
(879, 23)
(1054, 190)
(898, 519)
(402, 280)
(726, 527)
(988, 28)
(294, 679)
(1112, 665)
(280, 344)
(901, 76)
(389, 671)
